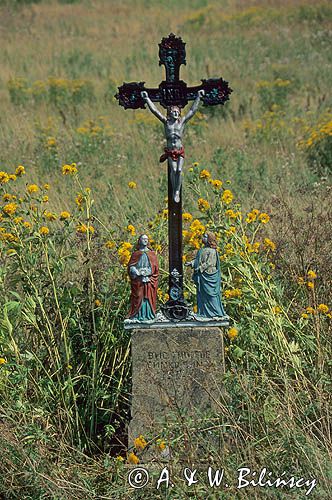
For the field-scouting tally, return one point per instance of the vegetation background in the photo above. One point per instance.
(80, 179)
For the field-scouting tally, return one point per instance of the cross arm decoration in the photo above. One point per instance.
(173, 91)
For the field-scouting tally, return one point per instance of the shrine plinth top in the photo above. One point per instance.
(173, 91)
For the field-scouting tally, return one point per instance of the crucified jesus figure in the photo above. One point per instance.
(174, 127)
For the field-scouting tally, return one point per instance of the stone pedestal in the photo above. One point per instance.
(176, 375)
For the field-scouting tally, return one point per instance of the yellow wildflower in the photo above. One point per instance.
(195, 164)
(140, 442)
(255, 211)
(229, 250)
(251, 217)
(46, 187)
(195, 308)
(264, 218)
(311, 275)
(125, 246)
(2, 361)
(27, 224)
(204, 174)
(236, 292)
(8, 197)
(45, 199)
(79, 200)
(32, 188)
(323, 308)
(8, 237)
(20, 171)
(227, 196)
(203, 205)
(82, 228)
(97, 303)
(197, 227)
(133, 459)
(230, 213)
(18, 220)
(124, 257)
(161, 444)
(12, 177)
(269, 245)
(187, 217)
(230, 231)
(310, 310)
(119, 458)
(253, 247)
(232, 333)
(131, 229)
(49, 215)
(124, 253)
(4, 177)
(310, 285)
(216, 183)
(109, 244)
(10, 208)
(276, 310)
(304, 315)
(44, 230)
(64, 215)
(301, 280)
(69, 169)
(132, 185)
(51, 142)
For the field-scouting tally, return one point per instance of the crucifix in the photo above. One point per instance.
(173, 94)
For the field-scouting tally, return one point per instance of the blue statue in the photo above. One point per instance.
(207, 278)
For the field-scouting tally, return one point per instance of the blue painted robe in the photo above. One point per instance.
(208, 285)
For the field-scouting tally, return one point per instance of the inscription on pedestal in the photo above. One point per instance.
(175, 373)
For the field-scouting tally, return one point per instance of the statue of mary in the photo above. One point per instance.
(207, 278)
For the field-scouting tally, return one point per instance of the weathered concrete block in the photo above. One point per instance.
(176, 373)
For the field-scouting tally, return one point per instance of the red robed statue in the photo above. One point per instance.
(143, 271)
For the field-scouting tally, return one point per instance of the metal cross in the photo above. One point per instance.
(174, 92)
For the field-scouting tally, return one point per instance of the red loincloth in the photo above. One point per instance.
(140, 290)
(172, 153)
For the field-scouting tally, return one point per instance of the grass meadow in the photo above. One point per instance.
(80, 179)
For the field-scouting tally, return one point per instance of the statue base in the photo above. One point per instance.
(176, 379)
(160, 321)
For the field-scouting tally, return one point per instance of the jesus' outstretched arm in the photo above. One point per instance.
(152, 107)
(194, 107)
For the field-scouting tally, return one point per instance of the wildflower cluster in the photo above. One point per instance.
(193, 236)
(317, 145)
(255, 215)
(58, 91)
(124, 252)
(97, 130)
(140, 444)
(69, 169)
(272, 124)
(322, 309)
(230, 294)
(273, 92)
